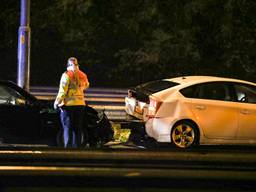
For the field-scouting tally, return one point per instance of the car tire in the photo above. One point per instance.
(185, 135)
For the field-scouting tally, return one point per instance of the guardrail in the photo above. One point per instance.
(110, 100)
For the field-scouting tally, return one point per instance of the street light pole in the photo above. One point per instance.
(24, 45)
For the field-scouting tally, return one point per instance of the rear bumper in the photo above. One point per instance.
(135, 108)
(160, 128)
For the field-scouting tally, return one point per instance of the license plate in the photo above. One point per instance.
(138, 110)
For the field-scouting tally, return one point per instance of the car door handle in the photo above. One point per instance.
(200, 107)
(246, 112)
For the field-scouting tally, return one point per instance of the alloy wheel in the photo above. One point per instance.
(183, 135)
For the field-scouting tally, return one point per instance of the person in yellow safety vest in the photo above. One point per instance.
(70, 101)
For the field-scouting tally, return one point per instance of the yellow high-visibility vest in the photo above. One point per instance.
(71, 89)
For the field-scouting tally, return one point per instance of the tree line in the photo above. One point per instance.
(121, 43)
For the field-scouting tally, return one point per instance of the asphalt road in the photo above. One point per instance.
(128, 166)
(216, 168)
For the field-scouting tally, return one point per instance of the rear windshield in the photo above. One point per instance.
(156, 86)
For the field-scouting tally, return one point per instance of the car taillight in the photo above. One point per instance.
(153, 107)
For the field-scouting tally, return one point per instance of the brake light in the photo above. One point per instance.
(153, 107)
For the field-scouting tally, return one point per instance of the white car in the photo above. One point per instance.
(193, 110)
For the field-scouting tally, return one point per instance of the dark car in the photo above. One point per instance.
(26, 119)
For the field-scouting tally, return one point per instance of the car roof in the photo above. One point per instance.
(190, 80)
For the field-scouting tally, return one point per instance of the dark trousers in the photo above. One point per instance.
(72, 124)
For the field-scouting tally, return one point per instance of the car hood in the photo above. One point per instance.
(47, 103)
(47, 106)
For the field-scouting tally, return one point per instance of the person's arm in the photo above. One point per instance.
(63, 89)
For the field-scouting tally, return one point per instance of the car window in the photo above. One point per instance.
(190, 92)
(212, 91)
(245, 93)
(156, 86)
(9, 96)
